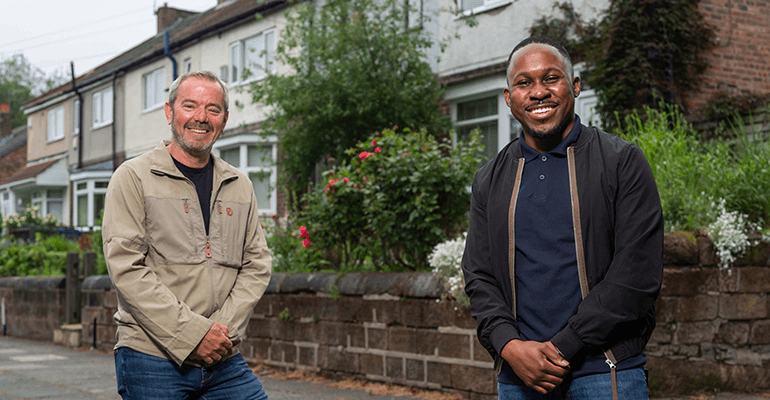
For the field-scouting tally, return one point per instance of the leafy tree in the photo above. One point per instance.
(20, 81)
(641, 52)
(356, 69)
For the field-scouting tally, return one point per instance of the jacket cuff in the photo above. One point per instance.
(567, 342)
(503, 334)
(187, 340)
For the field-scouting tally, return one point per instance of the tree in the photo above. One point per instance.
(20, 81)
(356, 69)
(642, 52)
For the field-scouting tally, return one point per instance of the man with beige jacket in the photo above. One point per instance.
(187, 256)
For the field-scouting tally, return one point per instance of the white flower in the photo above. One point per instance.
(728, 234)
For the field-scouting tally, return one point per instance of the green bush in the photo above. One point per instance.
(46, 257)
(392, 201)
(289, 246)
(694, 176)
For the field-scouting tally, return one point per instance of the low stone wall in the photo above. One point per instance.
(713, 325)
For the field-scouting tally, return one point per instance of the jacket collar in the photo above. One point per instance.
(161, 162)
(585, 136)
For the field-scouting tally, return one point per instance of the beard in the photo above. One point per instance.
(193, 149)
(547, 136)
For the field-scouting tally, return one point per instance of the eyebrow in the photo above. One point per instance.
(547, 70)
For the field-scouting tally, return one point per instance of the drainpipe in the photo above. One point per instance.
(167, 52)
(114, 121)
(80, 115)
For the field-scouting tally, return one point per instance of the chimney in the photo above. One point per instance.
(6, 120)
(168, 16)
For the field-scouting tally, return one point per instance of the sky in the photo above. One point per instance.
(51, 33)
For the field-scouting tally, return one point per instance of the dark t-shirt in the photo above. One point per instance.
(203, 179)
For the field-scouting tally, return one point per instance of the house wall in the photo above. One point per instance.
(144, 129)
(740, 62)
(97, 143)
(38, 146)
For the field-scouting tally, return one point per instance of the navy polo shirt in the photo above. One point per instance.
(547, 282)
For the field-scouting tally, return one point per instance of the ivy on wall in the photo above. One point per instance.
(641, 52)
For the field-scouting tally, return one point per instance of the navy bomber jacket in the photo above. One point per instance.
(622, 230)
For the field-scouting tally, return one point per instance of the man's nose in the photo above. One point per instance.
(200, 114)
(539, 91)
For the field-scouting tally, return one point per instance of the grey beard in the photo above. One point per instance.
(197, 152)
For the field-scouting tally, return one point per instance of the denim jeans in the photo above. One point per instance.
(142, 376)
(632, 385)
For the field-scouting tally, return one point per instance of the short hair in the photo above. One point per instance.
(207, 75)
(541, 40)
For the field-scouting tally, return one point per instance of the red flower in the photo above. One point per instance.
(374, 143)
(345, 180)
(306, 243)
(377, 150)
(303, 233)
(364, 154)
(331, 182)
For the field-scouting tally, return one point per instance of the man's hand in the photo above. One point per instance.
(213, 346)
(538, 364)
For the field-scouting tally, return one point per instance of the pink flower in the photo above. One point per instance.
(377, 150)
(303, 233)
(374, 143)
(331, 182)
(306, 243)
(364, 154)
(345, 180)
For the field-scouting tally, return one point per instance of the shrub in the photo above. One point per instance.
(46, 257)
(392, 201)
(290, 247)
(30, 217)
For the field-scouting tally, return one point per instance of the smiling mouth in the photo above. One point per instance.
(541, 109)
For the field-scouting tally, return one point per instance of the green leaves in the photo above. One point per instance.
(394, 197)
(355, 70)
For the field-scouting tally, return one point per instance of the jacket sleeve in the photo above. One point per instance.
(619, 305)
(251, 283)
(171, 324)
(495, 322)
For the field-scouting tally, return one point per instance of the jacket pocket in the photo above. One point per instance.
(231, 221)
(171, 230)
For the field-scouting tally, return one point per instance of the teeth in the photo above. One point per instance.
(542, 110)
(198, 130)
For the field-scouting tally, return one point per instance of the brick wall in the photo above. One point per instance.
(740, 62)
(12, 162)
(713, 325)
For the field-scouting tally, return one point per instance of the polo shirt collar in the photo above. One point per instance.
(530, 154)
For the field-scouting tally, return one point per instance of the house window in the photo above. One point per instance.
(154, 86)
(76, 116)
(223, 73)
(481, 114)
(88, 202)
(56, 124)
(102, 108)
(256, 161)
(50, 201)
(253, 58)
(6, 205)
(187, 65)
(477, 6)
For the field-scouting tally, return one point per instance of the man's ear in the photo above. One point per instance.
(507, 96)
(169, 113)
(576, 86)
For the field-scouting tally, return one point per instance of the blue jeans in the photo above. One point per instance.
(632, 385)
(142, 376)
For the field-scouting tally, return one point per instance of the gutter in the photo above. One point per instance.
(114, 121)
(167, 52)
(80, 115)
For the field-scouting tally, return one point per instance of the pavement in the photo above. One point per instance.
(41, 370)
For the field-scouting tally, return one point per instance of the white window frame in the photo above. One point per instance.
(76, 117)
(507, 126)
(153, 89)
(90, 179)
(187, 65)
(7, 201)
(56, 124)
(40, 199)
(265, 57)
(102, 108)
(243, 143)
(486, 5)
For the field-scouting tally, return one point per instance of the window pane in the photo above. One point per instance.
(261, 183)
(235, 62)
(107, 105)
(81, 186)
(98, 206)
(488, 137)
(477, 108)
(253, 64)
(270, 47)
(97, 108)
(231, 156)
(101, 185)
(260, 156)
(56, 208)
(82, 210)
(55, 193)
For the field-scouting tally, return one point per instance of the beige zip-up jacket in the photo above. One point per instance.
(172, 281)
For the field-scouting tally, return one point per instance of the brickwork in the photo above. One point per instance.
(392, 327)
(740, 62)
(12, 162)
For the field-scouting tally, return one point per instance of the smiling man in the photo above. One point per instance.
(187, 256)
(564, 254)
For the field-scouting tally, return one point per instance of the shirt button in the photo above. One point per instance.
(544, 158)
(542, 177)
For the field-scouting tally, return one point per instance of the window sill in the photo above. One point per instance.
(49, 141)
(482, 9)
(153, 108)
(101, 125)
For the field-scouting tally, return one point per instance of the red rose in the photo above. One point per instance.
(306, 243)
(377, 150)
(345, 180)
(331, 182)
(363, 155)
(374, 143)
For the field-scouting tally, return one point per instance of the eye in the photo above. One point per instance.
(522, 83)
